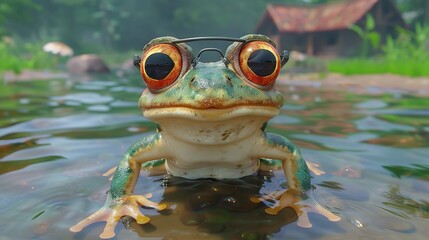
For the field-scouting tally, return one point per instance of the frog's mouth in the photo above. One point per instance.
(210, 114)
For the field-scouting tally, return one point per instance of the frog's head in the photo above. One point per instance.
(180, 86)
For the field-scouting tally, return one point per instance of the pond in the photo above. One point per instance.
(57, 138)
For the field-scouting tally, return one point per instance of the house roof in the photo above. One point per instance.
(321, 18)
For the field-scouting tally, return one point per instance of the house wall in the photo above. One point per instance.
(325, 44)
(293, 41)
(349, 44)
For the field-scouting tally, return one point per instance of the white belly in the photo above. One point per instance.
(212, 143)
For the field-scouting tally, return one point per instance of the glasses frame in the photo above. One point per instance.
(284, 56)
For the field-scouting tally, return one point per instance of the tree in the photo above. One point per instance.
(418, 8)
(15, 9)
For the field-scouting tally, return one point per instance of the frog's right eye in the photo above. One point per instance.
(160, 66)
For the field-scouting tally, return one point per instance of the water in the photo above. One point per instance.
(57, 137)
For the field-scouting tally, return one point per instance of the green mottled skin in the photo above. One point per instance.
(208, 85)
(212, 124)
(128, 167)
(302, 173)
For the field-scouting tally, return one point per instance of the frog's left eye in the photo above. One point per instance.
(160, 66)
(260, 63)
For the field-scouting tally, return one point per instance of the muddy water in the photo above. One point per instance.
(57, 137)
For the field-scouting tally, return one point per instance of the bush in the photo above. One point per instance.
(18, 56)
(406, 55)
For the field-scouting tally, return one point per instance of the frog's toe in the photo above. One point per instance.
(113, 211)
(110, 216)
(145, 202)
(285, 199)
(312, 207)
(314, 168)
(109, 229)
(109, 173)
(93, 218)
(293, 199)
(267, 197)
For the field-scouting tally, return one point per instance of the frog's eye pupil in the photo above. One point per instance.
(262, 62)
(158, 66)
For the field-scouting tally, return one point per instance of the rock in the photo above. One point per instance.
(87, 63)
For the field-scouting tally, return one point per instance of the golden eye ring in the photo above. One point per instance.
(260, 63)
(161, 66)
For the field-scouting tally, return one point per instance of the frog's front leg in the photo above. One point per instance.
(298, 180)
(119, 201)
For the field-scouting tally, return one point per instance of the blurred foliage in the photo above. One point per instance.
(18, 56)
(417, 10)
(408, 45)
(16, 10)
(407, 54)
(111, 26)
(91, 25)
(370, 37)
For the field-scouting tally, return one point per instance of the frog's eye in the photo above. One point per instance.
(259, 63)
(161, 66)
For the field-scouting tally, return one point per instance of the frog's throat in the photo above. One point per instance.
(211, 114)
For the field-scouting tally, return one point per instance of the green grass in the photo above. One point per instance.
(16, 57)
(407, 67)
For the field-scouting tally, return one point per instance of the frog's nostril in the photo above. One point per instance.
(193, 79)
(228, 81)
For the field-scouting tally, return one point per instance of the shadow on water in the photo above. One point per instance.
(58, 137)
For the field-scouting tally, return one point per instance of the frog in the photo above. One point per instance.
(211, 119)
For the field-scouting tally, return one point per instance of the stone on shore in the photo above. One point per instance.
(87, 63)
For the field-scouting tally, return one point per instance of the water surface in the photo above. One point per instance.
(57, 137)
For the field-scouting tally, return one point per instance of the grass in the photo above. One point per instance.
(407, 67)
(16, 57)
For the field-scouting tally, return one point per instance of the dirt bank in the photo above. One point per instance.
(361, 84)
(374, 84)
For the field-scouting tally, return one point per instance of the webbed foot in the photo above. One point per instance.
(114, 210)
(293, 199)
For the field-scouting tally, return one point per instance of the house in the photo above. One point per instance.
(324, 30)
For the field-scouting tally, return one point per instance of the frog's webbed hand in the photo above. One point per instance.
(119, 201)
(298, 180)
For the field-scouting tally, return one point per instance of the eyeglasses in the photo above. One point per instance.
(284, 56)
(254, 57)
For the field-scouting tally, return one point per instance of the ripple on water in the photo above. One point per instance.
(86, 145)
(282, 119)
(70, 122)
(370, 219)
(372, 123)
(98, 108)
(84, 97)
(372, 104)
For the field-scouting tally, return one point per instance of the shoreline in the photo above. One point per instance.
(359, 84)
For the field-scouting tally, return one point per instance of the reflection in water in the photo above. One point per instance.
(221, 208)
(9, 166)
(415, 170)
(58, 137)
(406, 205)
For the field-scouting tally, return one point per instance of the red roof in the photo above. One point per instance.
(321, 18)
